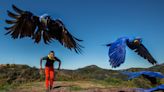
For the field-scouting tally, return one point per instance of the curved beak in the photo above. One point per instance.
(137, 41)
(44, 21)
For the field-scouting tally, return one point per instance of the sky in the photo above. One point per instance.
(97, 22)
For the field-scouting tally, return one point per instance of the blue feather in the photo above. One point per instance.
(133, 75)
(160, 87)
(117, 52)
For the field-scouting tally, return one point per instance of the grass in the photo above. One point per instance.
(79, 85)
(7, 87)
(75, 88)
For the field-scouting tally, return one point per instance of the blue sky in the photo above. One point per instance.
(97, 22)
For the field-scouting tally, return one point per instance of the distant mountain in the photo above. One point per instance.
(156, 68)
(13, 73)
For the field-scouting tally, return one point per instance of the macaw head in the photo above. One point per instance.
(44, 19)
(137, 40)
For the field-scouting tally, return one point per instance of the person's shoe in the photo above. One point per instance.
(50, 87)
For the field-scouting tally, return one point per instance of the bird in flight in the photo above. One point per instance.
(151, 76)
(159, 88)
(117, 50)
(26, 24)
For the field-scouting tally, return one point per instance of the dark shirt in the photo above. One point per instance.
(49, 62)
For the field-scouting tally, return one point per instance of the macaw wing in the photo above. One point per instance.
(117, 53)
(23, 25)
(153, 80)
(158, 88)
(58, 31)
(153, 74)
(131, 75)
(142, 51)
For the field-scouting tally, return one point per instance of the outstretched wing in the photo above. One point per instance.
(158, 88)
(58, 31)
(153, 80)
(151, 76)
(117, 51)
(23, 24)
(142, 51)
(131, 75)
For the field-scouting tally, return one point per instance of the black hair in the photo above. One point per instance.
(51, 51)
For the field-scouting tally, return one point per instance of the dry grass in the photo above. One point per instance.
(69, 86)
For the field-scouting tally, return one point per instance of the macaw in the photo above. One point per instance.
(26, 24)
(117, 50)
(151, 76)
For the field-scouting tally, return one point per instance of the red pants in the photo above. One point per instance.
(49, 78)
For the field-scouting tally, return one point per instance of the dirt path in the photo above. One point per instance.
(76, 86)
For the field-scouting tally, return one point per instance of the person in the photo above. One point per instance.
(49, 69)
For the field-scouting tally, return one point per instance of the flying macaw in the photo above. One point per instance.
(117, 50)
(26, 24)
(159, 88)
(151, 76)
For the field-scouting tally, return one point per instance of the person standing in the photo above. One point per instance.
(49, 69)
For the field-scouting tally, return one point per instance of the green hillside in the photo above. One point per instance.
(12, 75)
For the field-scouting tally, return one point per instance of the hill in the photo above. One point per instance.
(12, 75)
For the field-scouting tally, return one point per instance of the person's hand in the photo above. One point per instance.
(58, 68)
(41, 70)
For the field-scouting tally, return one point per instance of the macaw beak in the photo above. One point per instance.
(43, 18)
(44, 21)
(136, 41)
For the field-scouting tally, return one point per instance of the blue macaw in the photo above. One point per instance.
(117, 50)
(158, 88)
(151, 76)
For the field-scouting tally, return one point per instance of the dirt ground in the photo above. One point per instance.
(65, 86)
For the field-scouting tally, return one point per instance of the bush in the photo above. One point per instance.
(113, 81)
